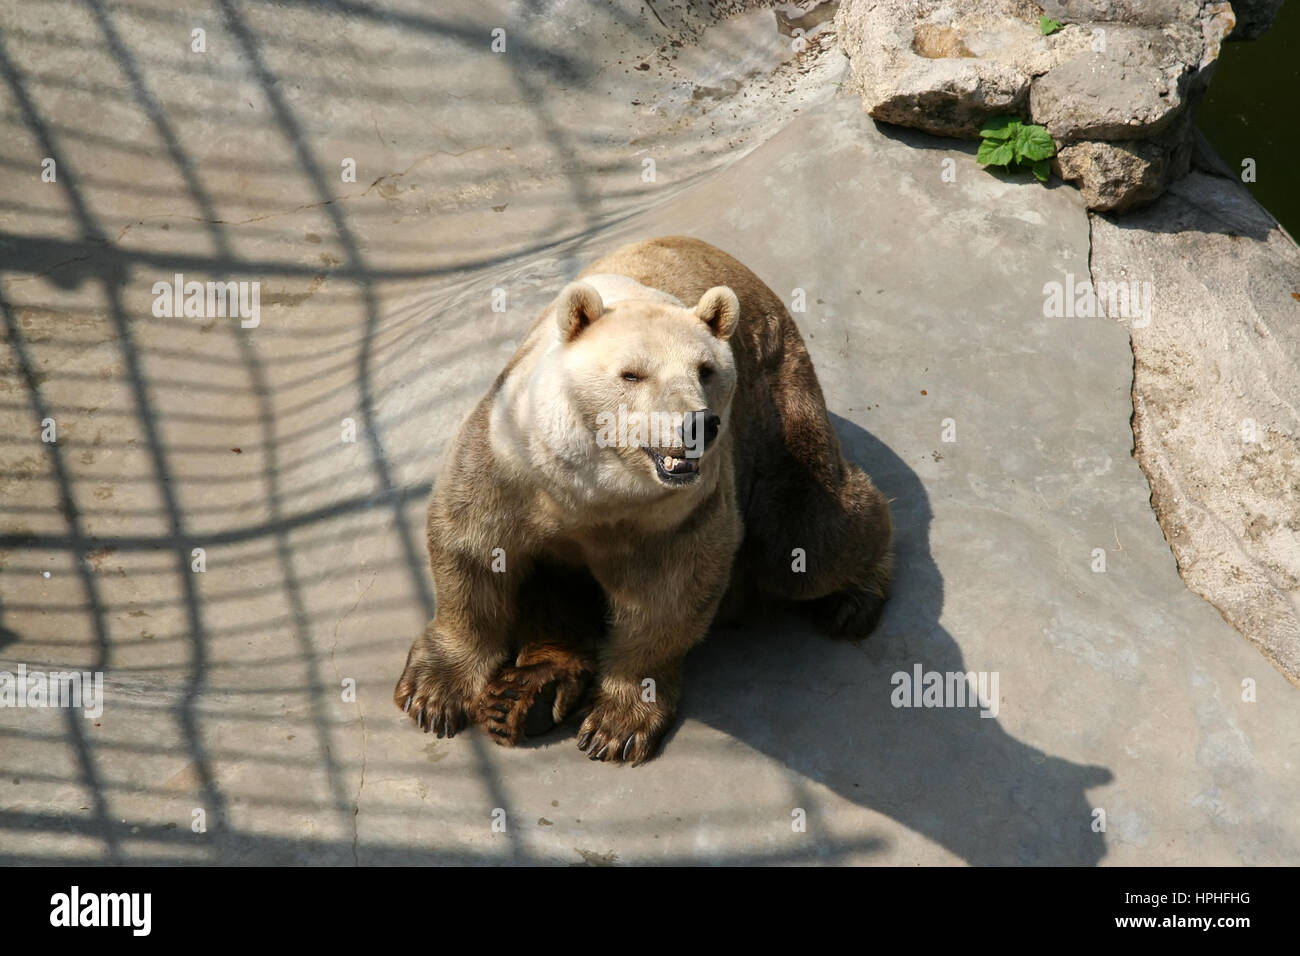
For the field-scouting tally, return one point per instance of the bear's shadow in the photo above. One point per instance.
(824, 709)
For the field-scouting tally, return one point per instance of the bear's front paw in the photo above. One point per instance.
(432, 699)
(530, 700)
(623, 732)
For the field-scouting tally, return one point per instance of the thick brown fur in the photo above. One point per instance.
(621, 594)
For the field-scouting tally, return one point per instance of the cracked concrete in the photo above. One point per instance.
(227, 735)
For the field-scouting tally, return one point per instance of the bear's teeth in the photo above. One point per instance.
(670, 463)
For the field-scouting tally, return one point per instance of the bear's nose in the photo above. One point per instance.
(700, 429)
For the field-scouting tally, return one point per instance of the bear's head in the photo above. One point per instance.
(651, 382)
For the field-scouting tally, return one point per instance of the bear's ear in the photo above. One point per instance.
(577, 307)
(720, 310)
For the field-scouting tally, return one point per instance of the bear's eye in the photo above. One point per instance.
(631, 377)
(706, 372)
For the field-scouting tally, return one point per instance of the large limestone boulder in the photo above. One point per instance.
(1133, 83)
(1215, 417)
(1116, 86)
(1114, 176)
(943, 67)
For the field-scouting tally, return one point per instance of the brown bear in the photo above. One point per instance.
(638, 461)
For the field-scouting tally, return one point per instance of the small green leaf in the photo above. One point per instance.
(1033, 143)
(1042, 169)
(1000, 127)
(1047, 26)
(993, 153)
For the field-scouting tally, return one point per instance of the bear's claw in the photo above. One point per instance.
(525, 701)
(429, 700)
(617, 734)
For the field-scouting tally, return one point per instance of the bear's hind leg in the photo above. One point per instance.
(561, 618)
(863, 566)
(536, 693)
(830, 551)
(852, 614)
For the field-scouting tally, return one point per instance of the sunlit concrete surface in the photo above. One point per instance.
(228, 691)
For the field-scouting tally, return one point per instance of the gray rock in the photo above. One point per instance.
(935, 67)
(1114, 177)
(1119, 71)
(1152, 13)
(1216, 429)
(1132, 89)
(953, 100)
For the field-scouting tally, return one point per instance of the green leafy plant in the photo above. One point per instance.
(1047, 26)
(1011, 143)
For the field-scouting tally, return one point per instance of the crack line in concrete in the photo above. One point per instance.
(356, 799)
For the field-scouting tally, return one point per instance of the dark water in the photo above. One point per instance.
(1250, 112)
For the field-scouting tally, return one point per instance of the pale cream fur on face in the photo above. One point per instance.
(547, 421)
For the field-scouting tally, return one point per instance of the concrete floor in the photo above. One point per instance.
(1119, 691)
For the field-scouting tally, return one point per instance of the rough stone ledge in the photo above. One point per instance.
(1117, 86)
(1215, 420)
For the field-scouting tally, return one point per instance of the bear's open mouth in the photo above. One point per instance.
(675, 469)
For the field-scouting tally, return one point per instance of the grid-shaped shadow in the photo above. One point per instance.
(217, 158)
(476, 172)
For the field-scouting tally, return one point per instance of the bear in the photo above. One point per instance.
(656, 453)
